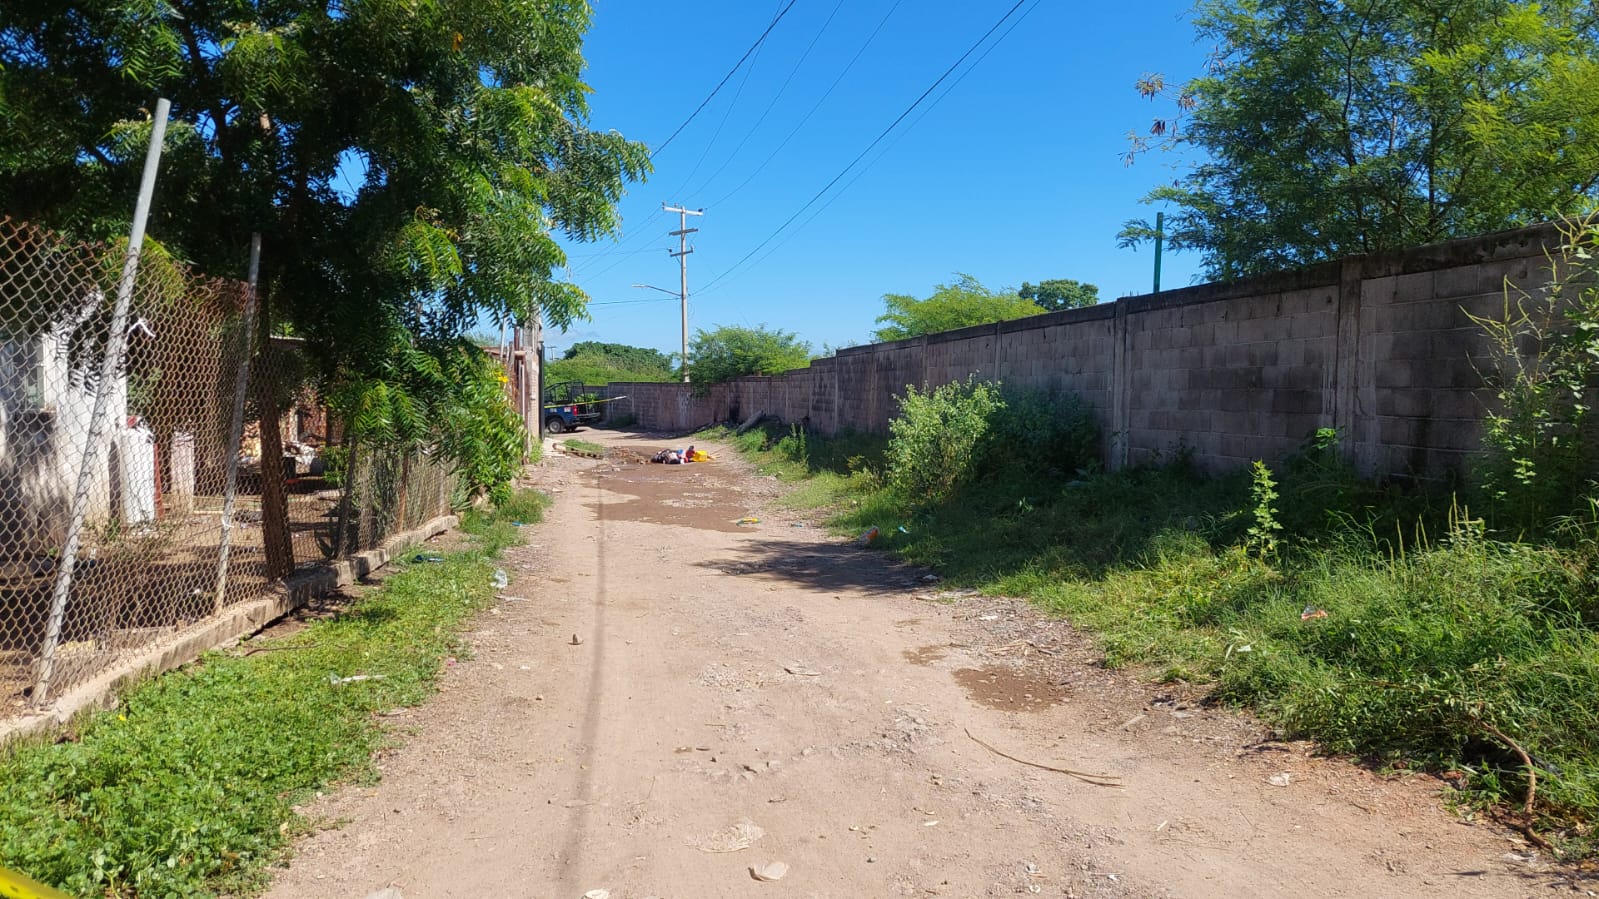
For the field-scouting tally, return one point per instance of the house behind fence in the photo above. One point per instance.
(152, 559)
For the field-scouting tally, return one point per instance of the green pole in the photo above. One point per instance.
(1160, 238)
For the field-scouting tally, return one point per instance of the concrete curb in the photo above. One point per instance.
(235, 621)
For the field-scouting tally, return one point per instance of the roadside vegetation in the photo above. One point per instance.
(594, 364)
(1451, 628)
(732, 351)
(189, 788)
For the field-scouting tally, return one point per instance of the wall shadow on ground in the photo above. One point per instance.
(818, 566)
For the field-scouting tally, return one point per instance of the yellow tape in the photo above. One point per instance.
(15, 886)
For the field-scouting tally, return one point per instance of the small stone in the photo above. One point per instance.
(576, 640)
(769, 872)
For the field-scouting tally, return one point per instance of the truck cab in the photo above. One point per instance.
(567, 407)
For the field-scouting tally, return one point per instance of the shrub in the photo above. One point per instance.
(1042, 432)
(935, 440)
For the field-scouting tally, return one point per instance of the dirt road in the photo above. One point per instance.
(769, 685)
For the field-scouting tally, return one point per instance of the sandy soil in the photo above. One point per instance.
(667, 698)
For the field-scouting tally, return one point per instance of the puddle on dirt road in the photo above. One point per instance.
(677, 495)
(1003, 687)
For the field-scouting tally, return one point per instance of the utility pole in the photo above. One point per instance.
(682, 233)
(1160, 238)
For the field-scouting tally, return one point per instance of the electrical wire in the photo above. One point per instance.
(715, 135)
(875, 141)
(818, 105)
(643, 227)
(711, 179)
(725, 78)
(635, 302)
(897, 138)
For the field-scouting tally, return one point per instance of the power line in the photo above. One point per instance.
(772, 104)
(875, 141)
(897, 138)
(611, 252)
(716, 135)
(719, 85)
(818, 105)
(633, 302)
(644, 226)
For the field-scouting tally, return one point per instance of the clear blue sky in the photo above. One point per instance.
(1015, 174)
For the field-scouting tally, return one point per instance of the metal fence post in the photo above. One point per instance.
(116, 347)
(236, 434)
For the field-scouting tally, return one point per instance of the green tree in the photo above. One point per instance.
(731, 352)
(406, 162)
(961, 304)
(636, 357)
(592, 362)
(1332, 129)
(1060, 293)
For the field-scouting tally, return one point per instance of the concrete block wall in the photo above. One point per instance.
(1230, 380)
(1379, 347)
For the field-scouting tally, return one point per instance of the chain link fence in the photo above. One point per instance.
(155, 552)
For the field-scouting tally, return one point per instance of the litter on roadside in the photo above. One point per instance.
(1312, 612)
(769, 872)
(732, 838)
(337, 681)
(501, 579)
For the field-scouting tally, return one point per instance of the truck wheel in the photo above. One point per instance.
(554, 426)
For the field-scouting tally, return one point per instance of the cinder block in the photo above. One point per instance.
(1284, 402)
(1416, 286)
(1263, 354)
(1486, 277)
(1312, 325)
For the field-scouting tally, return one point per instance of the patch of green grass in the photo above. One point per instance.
(1383, 622)
(825, 472)
(188, 789)
(497, 525)
(584, 446)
